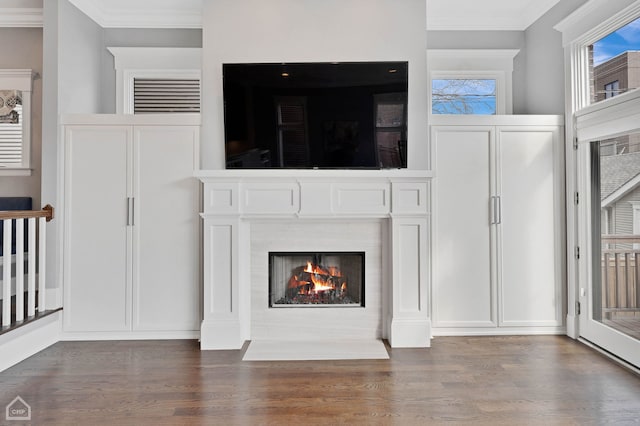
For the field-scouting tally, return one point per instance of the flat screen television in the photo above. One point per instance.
(344, 115)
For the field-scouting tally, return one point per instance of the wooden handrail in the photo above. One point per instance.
(620, 239)
(47, 212)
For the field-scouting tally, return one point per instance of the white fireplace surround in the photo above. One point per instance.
(385, 213)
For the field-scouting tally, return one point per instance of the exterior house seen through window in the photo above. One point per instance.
(615, 60)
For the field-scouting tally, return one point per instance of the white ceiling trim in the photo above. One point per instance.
(498, 15)
(140, 17)
(510, 15)
(459, 23)
(12, 17)
(535, 9)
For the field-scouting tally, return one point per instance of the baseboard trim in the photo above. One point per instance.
(410, 333)
(129, 335)
(510, 331)
(29, 339)
(221, 335)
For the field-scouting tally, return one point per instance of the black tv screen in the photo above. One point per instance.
(316, 115)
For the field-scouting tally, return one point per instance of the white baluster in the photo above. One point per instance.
(31, 292)
(6, 276)
(19, 269)
(42, 261)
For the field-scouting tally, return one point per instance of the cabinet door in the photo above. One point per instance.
(96, 278)
(463, 287)
(531, 226)
(166, 249)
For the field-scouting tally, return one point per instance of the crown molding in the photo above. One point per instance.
(460, 23)
(494, 16)
(536, 9)
(595, 19)
(108, 16)
(15, 17)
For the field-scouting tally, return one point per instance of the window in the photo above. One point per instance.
(463, 96)
(391, 129)
(604, 135)
(293, 145)
(15, 122)
(157, 79)
(611, 89)
(613, 60)
(471, 82)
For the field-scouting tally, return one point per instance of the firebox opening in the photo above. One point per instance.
(314, 279)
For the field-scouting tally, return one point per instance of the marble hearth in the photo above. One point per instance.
(248, 213)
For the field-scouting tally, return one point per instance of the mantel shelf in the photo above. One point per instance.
(312, 174)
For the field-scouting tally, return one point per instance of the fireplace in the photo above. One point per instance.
(249, 214)
(316, 279)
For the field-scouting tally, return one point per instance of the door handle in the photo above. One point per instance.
(499, 210)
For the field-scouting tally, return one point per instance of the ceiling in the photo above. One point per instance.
(514, 15)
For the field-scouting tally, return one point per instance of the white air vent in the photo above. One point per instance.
(156, 95)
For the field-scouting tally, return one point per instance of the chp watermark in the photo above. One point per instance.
(18, 409)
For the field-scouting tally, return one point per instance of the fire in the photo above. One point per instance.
(320, 279)
(321, 284)
(311, 282)
(333, 271)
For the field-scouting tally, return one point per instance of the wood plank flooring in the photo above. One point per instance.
(629, 326)
(536, 380)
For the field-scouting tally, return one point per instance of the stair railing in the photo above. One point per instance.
(13, 256)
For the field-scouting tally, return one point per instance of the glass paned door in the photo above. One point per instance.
(613, 317)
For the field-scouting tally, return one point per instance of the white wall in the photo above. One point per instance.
(71, 84)
(312, 30)
(49, 189)
(79, 61)
(22, 48)
(545, 61)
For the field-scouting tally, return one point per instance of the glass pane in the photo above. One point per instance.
(614, 62)
(11, 128)
(294, 148)
(463, 96)
(616, 218)
(390, 115)
(390, 148)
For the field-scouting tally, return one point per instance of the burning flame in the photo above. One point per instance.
(330, 270)
(320, 284)
(322, 278)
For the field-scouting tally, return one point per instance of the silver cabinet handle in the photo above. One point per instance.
(499, 210)
(492, 210)
(131, 211)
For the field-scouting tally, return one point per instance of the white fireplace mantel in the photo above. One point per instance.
(233, 199)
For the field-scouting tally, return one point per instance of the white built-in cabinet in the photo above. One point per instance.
(498, 225)
(130, 226)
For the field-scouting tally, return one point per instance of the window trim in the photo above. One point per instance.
(22, 80)
(494, 64)
(498, 76)
(151, 62)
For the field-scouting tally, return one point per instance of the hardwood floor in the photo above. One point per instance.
(629, 326)
(546, 380)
